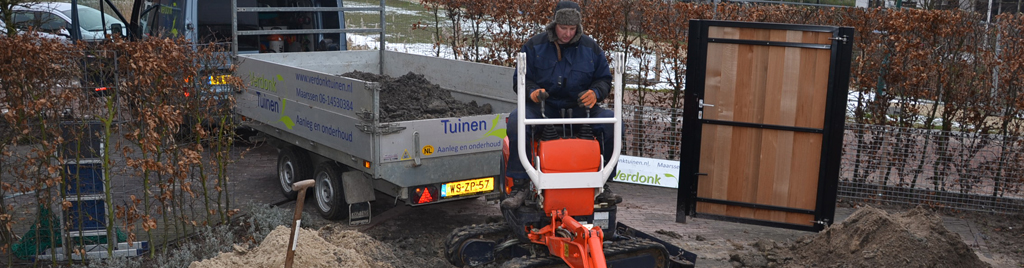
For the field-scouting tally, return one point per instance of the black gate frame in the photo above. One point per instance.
(832, 133)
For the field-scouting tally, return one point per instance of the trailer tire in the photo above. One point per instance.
(184, 133)
(330, 197)
(293, 165)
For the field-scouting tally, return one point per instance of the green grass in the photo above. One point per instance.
(400, 17)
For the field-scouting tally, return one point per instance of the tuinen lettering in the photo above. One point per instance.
(267, 103)
(459, 126)
(638, 178)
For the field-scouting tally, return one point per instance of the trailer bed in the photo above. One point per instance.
(301, 99)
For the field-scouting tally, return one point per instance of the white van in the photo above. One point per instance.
(53, 19)
(272, 29)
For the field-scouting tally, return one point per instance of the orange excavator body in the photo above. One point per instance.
(569, 155)
(584, 246)
(579, 245)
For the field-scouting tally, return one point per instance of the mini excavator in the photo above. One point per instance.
(555, 218)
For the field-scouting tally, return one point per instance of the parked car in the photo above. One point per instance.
(53, 19)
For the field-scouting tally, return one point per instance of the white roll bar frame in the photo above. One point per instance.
(543, 180)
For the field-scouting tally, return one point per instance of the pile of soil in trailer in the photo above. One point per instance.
(412, 97)
(870, 237)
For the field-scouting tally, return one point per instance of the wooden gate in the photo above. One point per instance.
(763, 122)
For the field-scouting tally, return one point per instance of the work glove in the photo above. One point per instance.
(587, 99)
(538, 95)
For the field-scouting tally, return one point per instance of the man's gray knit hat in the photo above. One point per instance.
(567, 13)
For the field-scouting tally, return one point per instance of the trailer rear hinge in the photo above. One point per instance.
(390, 128)
(383, 128)
(365, 115)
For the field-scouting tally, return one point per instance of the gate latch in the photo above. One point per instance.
(839, 38)
(700, 104)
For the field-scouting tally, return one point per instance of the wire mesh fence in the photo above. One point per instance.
(957, 170)
(650, 131)
(954, 170)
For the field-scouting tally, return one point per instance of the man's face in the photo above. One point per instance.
(565, 33)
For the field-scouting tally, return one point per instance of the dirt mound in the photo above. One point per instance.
(412, 97)
(349, 249)
(870, 237)
(360, 243)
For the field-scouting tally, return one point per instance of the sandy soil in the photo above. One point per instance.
(870, 237)
(403, 236)
(337, 249)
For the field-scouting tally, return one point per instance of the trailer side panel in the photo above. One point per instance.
(321, 108)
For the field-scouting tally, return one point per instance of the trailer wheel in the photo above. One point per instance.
(292, 167)
(330, 197)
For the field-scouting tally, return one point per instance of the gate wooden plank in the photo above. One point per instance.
(746, 152)
(806, 160)
(714, 155)
(779, 168)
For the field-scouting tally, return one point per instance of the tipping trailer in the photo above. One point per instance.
(328, 128)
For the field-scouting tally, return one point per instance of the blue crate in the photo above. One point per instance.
(83, 179)
(86, 215)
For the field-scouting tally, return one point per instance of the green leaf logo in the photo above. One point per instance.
(284, 118)
(279, 78)
(669, 175)
(497, 132)
(287, 122)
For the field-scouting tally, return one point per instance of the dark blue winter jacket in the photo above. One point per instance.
(566, 70)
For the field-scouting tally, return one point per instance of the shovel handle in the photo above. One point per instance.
(302, 185)
(301, 188)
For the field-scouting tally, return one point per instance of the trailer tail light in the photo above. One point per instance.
(366, 164)
(424, 194)
(508, 185)
(219, 79)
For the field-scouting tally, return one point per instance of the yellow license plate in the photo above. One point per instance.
(467, 187)
(219, 79)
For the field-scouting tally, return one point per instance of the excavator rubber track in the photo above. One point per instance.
(627, 253)
(476, 231)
